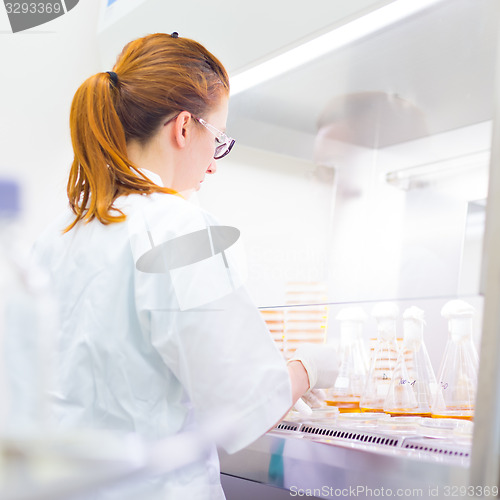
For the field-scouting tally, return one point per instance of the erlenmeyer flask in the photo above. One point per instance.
(457, 378)
(346, 392)
(384, 358)
(413, 384)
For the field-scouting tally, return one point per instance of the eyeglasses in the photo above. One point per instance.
(224, 142)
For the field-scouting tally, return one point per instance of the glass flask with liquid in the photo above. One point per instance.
(346, 392)
(384, 358)
(413, 385)
(457, 379)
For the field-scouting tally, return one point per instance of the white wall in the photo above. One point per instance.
(282, 206)
(41, 70)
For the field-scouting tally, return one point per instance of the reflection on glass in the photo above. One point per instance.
(401, 121)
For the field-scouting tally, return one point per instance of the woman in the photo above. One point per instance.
(157, 336)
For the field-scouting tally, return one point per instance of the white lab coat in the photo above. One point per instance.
(158, 353)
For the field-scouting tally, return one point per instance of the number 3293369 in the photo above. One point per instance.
(33, 8)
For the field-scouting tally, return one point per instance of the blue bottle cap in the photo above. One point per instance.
(10, 198)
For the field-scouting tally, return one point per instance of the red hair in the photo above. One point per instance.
(158, 76)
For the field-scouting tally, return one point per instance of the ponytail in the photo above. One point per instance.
(110, 109)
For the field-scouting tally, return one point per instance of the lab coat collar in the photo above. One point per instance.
(155, 178)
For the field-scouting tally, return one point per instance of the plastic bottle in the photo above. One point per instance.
(27, 324)
(350, 382)
(457, 377)
(413, 384)
(384, 358)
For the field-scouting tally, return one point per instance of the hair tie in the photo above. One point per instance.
(175, 34)
(113, 77)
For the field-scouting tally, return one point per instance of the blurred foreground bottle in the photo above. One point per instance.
(27, 325)
(346, 393)
(383, 359)
(413, 383)
(457, 378)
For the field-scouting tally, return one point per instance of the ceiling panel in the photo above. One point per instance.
(431, 73)
(240, 33)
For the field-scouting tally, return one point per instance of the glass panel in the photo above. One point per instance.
(357, 327)
(370, 163)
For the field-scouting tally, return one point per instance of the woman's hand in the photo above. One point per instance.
(312, 368)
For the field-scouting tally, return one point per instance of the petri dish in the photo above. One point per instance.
(324, 414)
(359, 420)
(328, 414)
(463, 431)
(399, 425)
(440, 427)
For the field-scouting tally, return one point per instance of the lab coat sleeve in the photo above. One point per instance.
(209, 333)
(225, 359)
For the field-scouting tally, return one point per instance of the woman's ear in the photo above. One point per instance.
(180, 128)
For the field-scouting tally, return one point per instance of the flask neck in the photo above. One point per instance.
(386, 329)
(460, 328)
(412, 333)
(350, 331)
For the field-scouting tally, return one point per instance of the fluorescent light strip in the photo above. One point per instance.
(339, 37)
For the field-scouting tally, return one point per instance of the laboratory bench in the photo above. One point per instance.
(327, 460)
